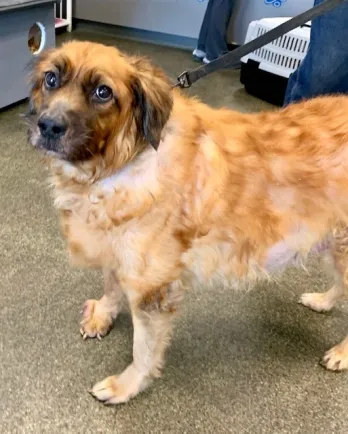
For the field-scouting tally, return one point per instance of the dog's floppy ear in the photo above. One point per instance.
(152, 102)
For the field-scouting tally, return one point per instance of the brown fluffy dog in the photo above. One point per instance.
(156, 189)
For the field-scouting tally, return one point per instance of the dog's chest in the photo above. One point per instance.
(93, 240)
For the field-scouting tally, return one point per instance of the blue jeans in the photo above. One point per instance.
(324, 70)
(212, 36)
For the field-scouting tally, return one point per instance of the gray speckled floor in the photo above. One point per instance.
(239, 363)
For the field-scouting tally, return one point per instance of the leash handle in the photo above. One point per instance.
(232, 60)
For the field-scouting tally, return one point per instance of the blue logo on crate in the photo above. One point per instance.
(275, 3)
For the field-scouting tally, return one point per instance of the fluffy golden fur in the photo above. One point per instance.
(160, 190)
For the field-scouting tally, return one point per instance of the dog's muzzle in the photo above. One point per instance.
(51, 128)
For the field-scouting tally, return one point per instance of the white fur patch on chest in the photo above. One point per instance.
(139, 174)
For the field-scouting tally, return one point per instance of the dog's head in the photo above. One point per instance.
(89, 101)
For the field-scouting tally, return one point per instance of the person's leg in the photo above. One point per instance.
(325, 67)
(220, 15)
(202, 38)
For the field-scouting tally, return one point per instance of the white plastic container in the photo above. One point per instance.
(265, 72)
(246, 11)
(282, 56)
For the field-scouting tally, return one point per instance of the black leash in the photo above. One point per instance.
(232, 60)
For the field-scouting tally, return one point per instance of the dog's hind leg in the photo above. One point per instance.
(335, 359)
(153, 315)
(98, 315)
(323, 302)
(337, 260)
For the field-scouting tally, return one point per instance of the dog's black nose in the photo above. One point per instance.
(52, 128)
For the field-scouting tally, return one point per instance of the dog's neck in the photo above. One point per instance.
(125, 194)
(139, 173)
(92, 172)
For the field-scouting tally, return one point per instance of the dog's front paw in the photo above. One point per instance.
(317, 301)
(336, 359)
(120, 389)
(96, 322)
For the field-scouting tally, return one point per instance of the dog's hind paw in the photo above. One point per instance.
(317, 301)
(96, 322)
(336, 359)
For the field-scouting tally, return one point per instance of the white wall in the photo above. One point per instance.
(175, 17)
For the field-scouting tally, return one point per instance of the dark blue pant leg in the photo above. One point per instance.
(212, 38)
(325, 67)
(203, 34)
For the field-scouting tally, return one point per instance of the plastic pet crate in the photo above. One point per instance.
(266, 71)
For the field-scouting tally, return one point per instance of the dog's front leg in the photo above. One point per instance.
(152, 316)
(98, 315)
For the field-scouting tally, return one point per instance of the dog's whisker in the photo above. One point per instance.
(90, 151)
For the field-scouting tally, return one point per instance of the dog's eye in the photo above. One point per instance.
(51, 80)
(103, 93)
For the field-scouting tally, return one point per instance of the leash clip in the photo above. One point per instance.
(183, 81)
